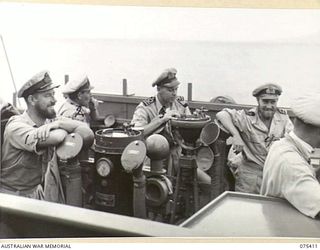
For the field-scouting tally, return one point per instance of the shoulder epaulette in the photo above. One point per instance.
(250, 112)
(282, 111)
(149, 101)
(181, 100)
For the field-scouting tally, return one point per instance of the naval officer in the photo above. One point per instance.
(79, 104)
(292, 167)
(29, 162)
(253, 133)
(154, 113)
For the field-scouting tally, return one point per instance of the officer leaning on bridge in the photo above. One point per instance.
(253, 133)
(153, 114)
(29, 163)
(293, 164)
(80, 105)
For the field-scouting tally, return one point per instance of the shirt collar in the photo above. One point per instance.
(83, 108)
(158, 103)
(26, 116)
(72, 102)
(259, 123)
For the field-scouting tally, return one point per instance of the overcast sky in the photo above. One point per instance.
(156, 23)
(29, 29)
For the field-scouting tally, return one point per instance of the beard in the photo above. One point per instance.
(47, 112)
(267, 113)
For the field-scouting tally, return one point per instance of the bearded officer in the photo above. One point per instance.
(292, 166)
(253, 133)
(29, 163)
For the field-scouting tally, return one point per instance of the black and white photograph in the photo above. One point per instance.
(176, 122)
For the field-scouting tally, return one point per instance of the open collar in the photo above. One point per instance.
(26, 116)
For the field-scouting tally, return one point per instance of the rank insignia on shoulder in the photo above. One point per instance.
(149, 101)
(181, 100)
(282, 111)
(250, 113)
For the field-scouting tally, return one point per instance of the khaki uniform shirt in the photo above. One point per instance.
(257, 140)
(150, 108)
(23, 167)
(256, 136)
(75, 111)
(288, 174)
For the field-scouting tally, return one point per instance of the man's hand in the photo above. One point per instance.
(171, 114)
(42, 132)
(238, 144)
(93, 103)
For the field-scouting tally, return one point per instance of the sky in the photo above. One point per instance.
(73, 38)
(85, 21)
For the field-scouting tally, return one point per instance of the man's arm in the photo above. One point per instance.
(158, 121)
(55, 137)
(226, 120)
(44, 132)
(94, 113)
(74, 126)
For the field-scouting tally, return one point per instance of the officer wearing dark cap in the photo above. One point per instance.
(153, 114)
(253, 132)
(29, 163)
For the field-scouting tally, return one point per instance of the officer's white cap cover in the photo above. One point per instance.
(307, 108)
(40, 82)
(78, 83)
(167, 79)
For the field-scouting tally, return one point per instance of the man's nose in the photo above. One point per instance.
(269, 105)
(54, 100)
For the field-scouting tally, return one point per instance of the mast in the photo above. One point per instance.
(11, 74)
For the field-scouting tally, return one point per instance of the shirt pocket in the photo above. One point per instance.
(256, 143)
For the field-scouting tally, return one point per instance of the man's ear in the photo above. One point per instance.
(79, 95)
(31, 99)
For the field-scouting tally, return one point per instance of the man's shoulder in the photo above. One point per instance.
(282, 111)
(17, 122)
(149, 101)
(242, 112)
(19, 118)
(250, 112)
(281, 115)
(67, 106)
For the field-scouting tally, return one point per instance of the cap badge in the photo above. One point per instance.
(271, 91)
(47, 78)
